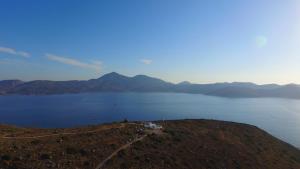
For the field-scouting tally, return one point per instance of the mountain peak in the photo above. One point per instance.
(141, 76)
(112, 75)
(184, 83)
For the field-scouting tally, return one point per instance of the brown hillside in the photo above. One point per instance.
(190, 144)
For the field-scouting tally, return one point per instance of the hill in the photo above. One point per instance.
(184, 144)
(7, 85)
(114, 82)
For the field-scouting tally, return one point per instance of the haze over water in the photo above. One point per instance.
(279, 117)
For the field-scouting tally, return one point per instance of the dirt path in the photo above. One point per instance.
(59, 134)
(148, 132)
(99, 166)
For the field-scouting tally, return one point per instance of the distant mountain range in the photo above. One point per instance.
(114, 82)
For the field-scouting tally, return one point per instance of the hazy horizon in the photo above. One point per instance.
(196, 41)
(157, 78)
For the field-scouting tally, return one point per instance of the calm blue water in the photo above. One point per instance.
(280, 117)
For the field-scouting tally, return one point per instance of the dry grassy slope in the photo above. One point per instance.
(84, 149)
(202, 144)
(194, 144)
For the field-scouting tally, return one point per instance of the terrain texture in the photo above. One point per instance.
(183, 144)
(114, 82)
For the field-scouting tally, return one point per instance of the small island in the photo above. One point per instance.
(178, 144)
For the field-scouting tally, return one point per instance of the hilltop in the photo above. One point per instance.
(183, 144)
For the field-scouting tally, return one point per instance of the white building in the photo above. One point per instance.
(152, 125)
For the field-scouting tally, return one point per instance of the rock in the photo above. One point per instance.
(50, 164)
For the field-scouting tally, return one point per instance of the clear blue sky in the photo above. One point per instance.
(196, 40)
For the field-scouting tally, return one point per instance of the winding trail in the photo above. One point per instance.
(99, 166)
(125, 146)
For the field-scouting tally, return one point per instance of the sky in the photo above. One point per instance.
(201, 41)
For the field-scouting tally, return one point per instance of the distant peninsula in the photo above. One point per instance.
(114, 82)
